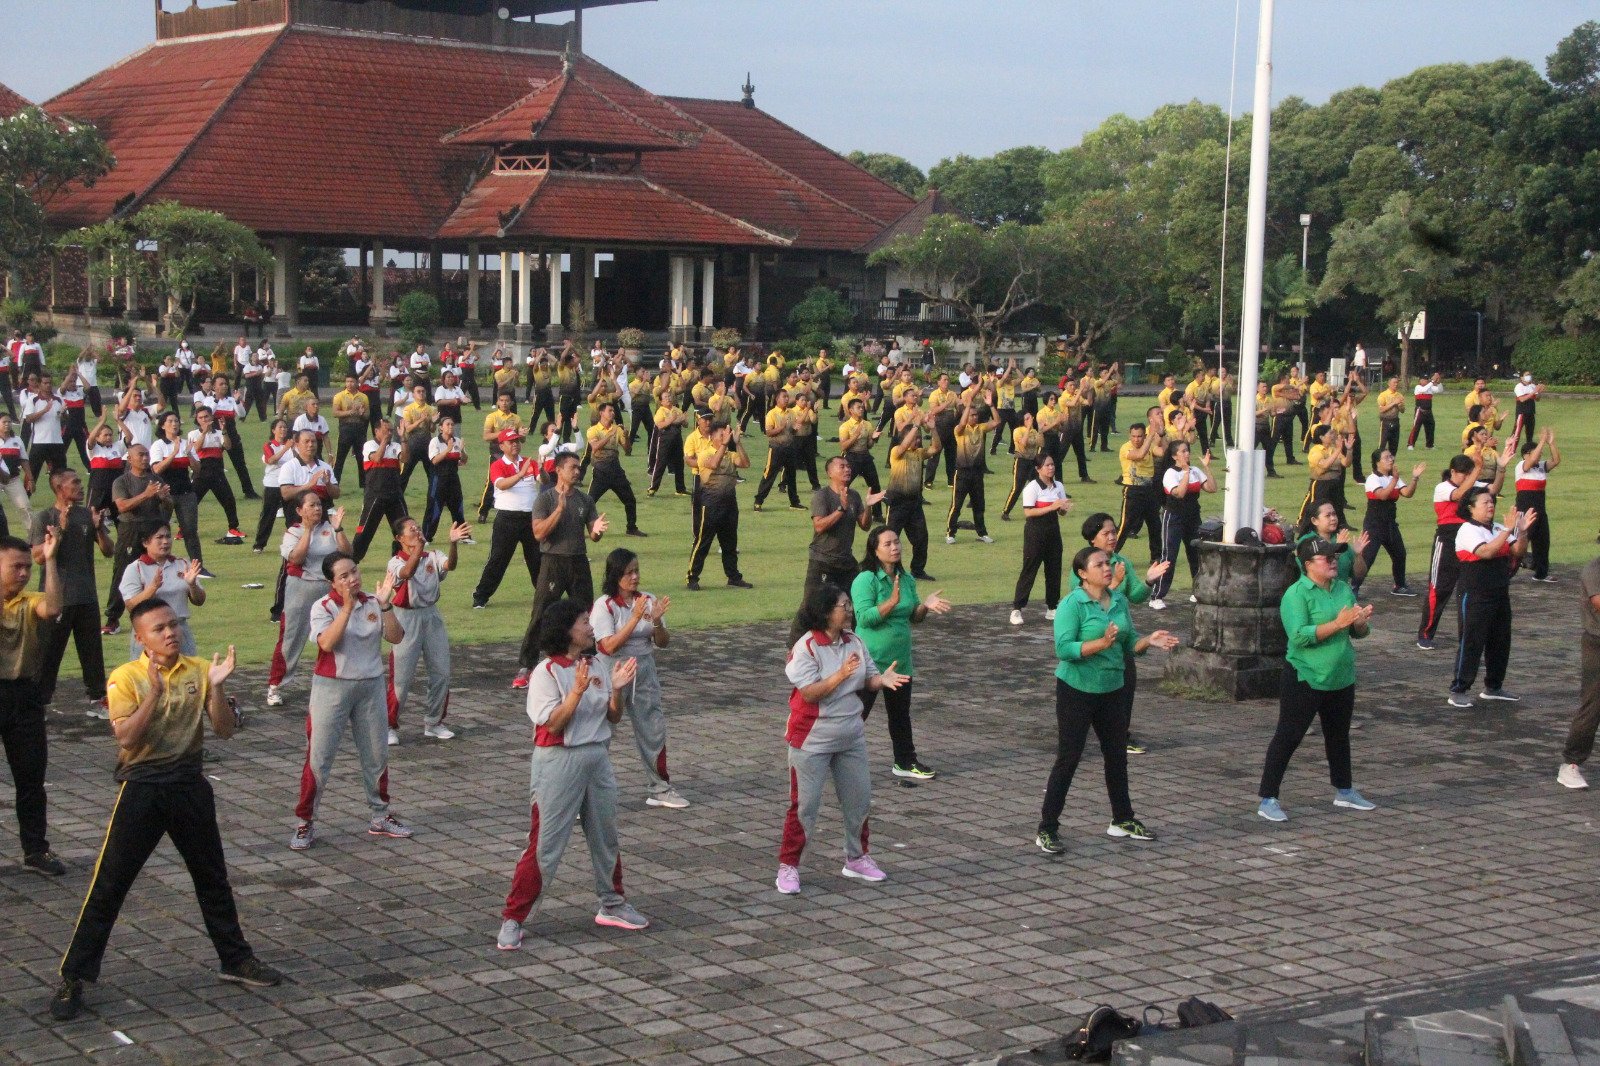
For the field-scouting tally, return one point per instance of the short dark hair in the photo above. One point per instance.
(1464, 507)
(869, 560)
(563, 457)
(1094, 524)
(819, 605)
(555, 626)
(15, 544)
(152, 604)
(1461, 464)
(1081, 561)
(332, 560)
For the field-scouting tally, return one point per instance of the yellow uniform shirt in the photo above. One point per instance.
(1319, 391)
(722, 407)
(1136, 471)
(903, 417)
(1316, 457)
(803, 422)
(421, 415)
(1050, 417)
(692, 446)
(171, 745)
(855, 435)
(21, 645)
(293, 403)
(1028, 442)
(669, 414)
(349, 405)
(1387, 397)
(1167, 398)
(496, 422)
(905, 470)
(606, 444)
(779, 426)
(969, 445)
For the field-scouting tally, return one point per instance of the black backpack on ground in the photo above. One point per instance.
(1194, 1012)
(1093, 1039)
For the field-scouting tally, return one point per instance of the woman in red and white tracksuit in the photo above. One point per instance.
(14, 454)
(209, 444)
(1381, 524)
(1454, 483)
(108, 455)
(1532, 478)
(278, 450)
(1488, 554)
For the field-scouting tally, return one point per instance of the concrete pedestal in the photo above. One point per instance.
(1238, 641)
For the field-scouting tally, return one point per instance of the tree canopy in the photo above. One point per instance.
(39, 157)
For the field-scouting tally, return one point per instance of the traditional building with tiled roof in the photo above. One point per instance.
(459, 130)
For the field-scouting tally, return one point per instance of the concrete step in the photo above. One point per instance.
(1447, 1038)
(1534, 1037)
(1222, 1044)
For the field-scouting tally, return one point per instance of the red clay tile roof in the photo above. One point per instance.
(800, 155)
(566, 205)
(338, 135)
(568, 111)
(913, 221)
(11, 102)
(149, 107)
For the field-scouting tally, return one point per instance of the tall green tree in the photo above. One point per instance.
(1005, 187)
(40, 157)
(988, 277)
(172, 249)
(901, 173)
(1404, 258)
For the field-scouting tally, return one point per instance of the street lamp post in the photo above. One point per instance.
(1305, 247)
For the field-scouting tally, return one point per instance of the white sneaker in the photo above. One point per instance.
(394, 738)
(1157, 604)
(1571, 776)
(274, 696)
(1193, 600)
(1411, 447)
(949, 540)
(986, 539)
(1050, 615)
(437, 732)
(1016, 618)
(669, 799)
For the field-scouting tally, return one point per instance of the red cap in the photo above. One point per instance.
(510, 434)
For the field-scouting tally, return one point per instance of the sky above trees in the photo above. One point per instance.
(926, 79)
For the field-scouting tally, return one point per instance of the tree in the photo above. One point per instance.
(1285, 291)
(1574, 67)
(901, 173)
(1580, 297)
(1109, 252)
(819, 315)
(171, 249)
(39, 158)
(1403, 258)
(1006, 187)
(988, 277)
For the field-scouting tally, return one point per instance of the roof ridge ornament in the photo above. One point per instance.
(566, 59)
(749, 91)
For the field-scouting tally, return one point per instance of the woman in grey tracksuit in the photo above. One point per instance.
(418, 572)
(629, 623)
(303, 585)
(829, 667)
(572, 703)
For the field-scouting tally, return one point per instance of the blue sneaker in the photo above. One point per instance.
(1349, 797)
(1459, 699)
(1271, 811)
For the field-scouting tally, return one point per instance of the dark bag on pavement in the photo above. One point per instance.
(1195, 1012)
(1093, 1039)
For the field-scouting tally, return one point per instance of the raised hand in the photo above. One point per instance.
(221, 669)
(659, 608)
(191, 573)
(158, 681)
(892, 678)
(601, 524)
(936, 603)
(459, 532)
(385, 590)
(51, 543)
(1417, 472)
(336, 517)
(1118, 574)
(622, 673)
(1362, 542)
(153, 586)
(875, 498)
(638, 609)
(852, 663)
(1111, 634)
(1164, 640)
(580, 675)
(1157, 568)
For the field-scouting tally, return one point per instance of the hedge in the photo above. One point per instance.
(1558, 359)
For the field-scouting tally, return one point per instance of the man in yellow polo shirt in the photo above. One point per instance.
(497, 421)
(159, 705)
(22, 613)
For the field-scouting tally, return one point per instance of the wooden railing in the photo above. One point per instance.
(240, 15)
(418, 22)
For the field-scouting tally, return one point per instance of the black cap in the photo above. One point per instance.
(1314, 546)
(703, 412)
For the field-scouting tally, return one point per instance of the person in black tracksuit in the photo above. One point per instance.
(515, 480)
(608, 442)
(383, 497)
(1443, 570)
(1181, 485)
(716, 465)
(666, 444)
(1488, 554)
(1044, 501)
(1380, 524)
(779, 426)
(904, 496)
(1532, 476)
(1141, 493)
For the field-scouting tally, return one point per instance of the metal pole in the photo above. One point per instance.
(1242, 504)
(1478, 365)
(1305, 245)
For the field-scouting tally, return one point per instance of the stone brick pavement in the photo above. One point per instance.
(977, 944)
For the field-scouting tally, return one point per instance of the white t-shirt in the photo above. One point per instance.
(140, 423)
(242, 354)
(319, 427)
(1525, 390)
(450, 395)
(1037, 495)
(1173, 476)
(419, 360)
(295, 473)
(518, 497)
(1381, 482)
(47, 430)
(272, 470)
(438, 448)
(89, 373)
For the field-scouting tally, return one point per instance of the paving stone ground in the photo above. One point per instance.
(978, 943)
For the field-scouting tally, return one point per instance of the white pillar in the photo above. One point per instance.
(675, 311)
(474, 283)
(753, 313)
(93, 305)
(505, 287)
(555, 290)
(130, 290)
(525, 288)
(708, 288)
(285, 305)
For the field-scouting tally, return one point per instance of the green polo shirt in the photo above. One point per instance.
(1134, 587)
(1347, 559)
(888, 639)
(1081, 619)
(1327, 665)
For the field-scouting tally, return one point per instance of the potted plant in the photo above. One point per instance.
(630, 339)
(726, 338)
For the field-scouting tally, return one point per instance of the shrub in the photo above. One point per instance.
(726, 338)
(631, 337)
(417, 316)
(1559, 359)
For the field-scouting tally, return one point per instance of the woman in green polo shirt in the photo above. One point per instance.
(886, 604)
(1320, 617)
(1094, 637)
(1323, 522)
(1100, 531)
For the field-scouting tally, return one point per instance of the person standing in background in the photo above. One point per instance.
(77, 531)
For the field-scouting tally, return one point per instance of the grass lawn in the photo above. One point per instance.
(773, 543)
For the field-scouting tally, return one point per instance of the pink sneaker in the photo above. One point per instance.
(864, 869)
(788, 879)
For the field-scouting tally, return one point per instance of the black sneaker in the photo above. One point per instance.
(637, 532)
(252, 972)
(68, 1000)
(45, 863)
(1403, 590)
(923, 575)
(1049, 843)
(694, 584)
(914, 770)
(739, 583)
